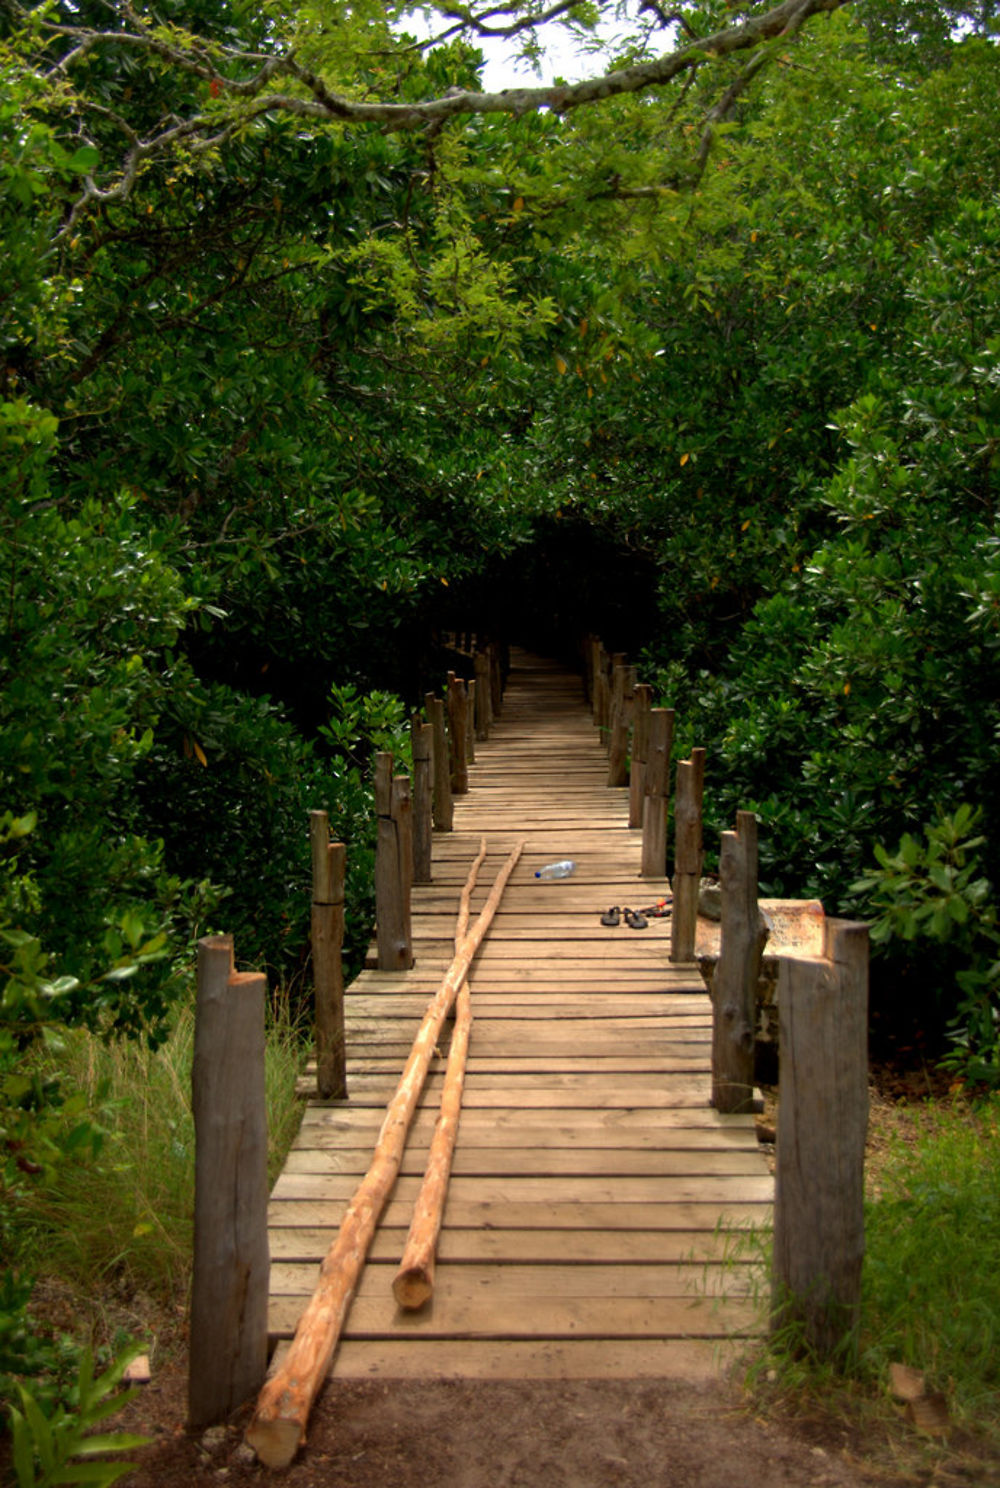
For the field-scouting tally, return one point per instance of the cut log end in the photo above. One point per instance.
(412, 1288)
(275, 1441)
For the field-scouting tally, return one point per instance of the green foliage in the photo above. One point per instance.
(47, 1449)
(933, 892)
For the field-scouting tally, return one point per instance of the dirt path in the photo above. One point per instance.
(521, 1434)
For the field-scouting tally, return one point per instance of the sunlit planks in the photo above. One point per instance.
(582, 1229)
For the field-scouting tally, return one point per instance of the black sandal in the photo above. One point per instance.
(635, 919)
(612, 916)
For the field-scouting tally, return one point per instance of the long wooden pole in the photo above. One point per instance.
(283, 1406)
(414, 1281)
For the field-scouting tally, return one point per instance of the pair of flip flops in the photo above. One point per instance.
(634, 918)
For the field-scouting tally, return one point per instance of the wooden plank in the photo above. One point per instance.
(607, 1162)
(593, 1183)
(502, 1317)
(547, 1359)
(623, 1248)
(467, 1283)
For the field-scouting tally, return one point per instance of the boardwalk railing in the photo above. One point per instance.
(822, 999)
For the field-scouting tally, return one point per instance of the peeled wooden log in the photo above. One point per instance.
(414, 1281)
(279, 1422)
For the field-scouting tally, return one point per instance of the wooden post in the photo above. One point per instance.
(444, 806)
(402, 817)
(483, 719)
(470, 723)
(496, 680)
(422, 737)
(228, 1341)
(743, 934)
(687, 855)
(283, 1406)
(601, 699)
(329, 862)
(621, 715)
(392, 874)
(642, 702)
(822, 1123)
(457, 727)
(657, 785)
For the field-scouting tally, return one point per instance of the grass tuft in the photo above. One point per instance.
(127, 1217)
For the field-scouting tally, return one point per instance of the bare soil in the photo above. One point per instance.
(550, 1434)
(527, 1434)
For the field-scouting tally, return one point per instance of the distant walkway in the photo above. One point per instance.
(591, 1174)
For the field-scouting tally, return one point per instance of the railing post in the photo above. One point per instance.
(444, 808)
(470, 723)
(654, 807)
(642, 702)
(329, 861)
(422, 738)
(621, 717)
(228, 1339)
(687, 855)
(393, 868)
(743, 935)
(483, 719)
(822, 1124)
(457, 728)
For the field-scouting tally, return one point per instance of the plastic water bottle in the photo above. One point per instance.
(562, 869)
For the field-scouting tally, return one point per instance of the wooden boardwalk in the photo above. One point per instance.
(581, 1231)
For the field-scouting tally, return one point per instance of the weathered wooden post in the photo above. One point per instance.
(642, 702)
(687, 855)
(743, 934)
(422, 739)
(470, 723)
(621, 717)
(228, 1342)
(496, 680)
(483, 719)
(822, 1124)
(602, 701)
(329, 862)
(393, 874)
(457, 728)
(443, 805)
(654, 806)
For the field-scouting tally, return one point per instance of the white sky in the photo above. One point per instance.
(562, 58)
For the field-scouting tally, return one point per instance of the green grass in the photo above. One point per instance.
(931, 1281)
(128, 1217)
